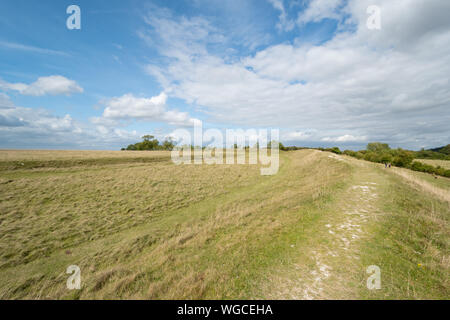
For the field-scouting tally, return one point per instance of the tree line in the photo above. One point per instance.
(150, 143)
(382, 153)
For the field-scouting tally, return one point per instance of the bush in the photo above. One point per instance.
(350, 153)
(422, 167)
(386, 158)
(403, 158)
(377, 147)
(334, 150)
(360, 154)
(150, 143)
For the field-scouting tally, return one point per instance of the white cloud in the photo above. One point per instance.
(384, 85)
(284, 24)
(22, 47)
(5, 102)
(182, 38)
(38, 128)
(53, 85)
(345, 138)
(129, 107)
(318, 10)
(29, 127)
(38, 119)
(296, 136)
(406, 25)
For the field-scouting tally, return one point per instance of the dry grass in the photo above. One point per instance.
(377, 220)
(441, 163)
(47, 210)
(155, 231)
(438, 186)
(48, 155)
(410, 242)
(149, 229)
(35, 159)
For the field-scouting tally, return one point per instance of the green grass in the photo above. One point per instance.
(404, 231)
(141, 227)
(410, 244)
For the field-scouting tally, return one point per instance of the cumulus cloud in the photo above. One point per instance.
(21, 126)
(52, 85)
(345, 138)
(38, 128)
(5, 102)
(362, 85)
(296, 136)
(390, 84)
(38, 119)
(318, 10)
(129, 107)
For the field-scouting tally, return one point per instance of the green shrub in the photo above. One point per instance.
(350, 153)
(150, 143)
(335, 150)
(377, 147)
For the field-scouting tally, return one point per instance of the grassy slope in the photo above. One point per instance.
(410, 242)
(140, 230)
(383, 220)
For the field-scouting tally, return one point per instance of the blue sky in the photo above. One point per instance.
(310, 68)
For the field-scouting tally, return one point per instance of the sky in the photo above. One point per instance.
(313, 69)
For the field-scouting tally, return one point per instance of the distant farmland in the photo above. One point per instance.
(442, 163)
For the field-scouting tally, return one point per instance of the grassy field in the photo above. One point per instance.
(437, 163)
(139, 226)
(31, 159)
